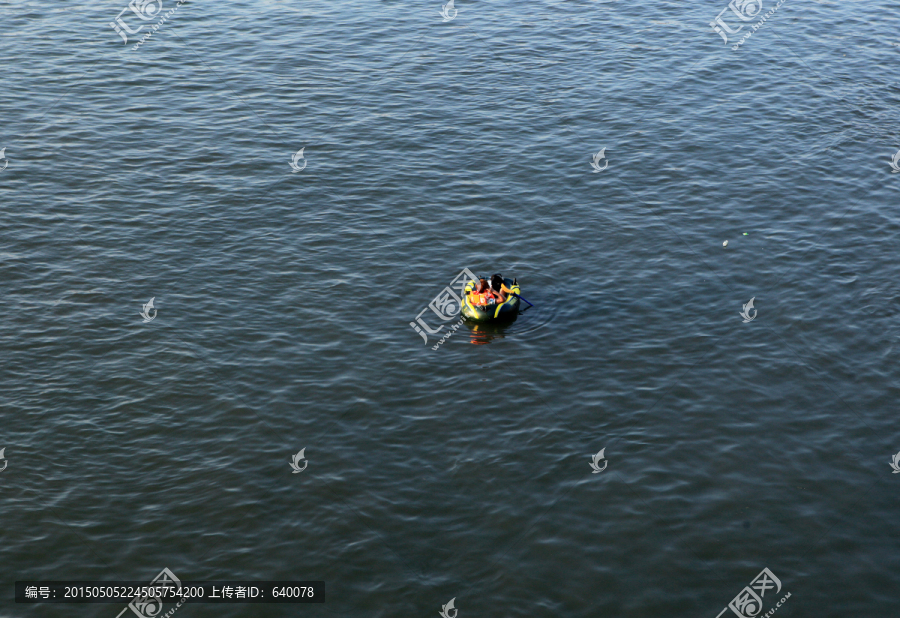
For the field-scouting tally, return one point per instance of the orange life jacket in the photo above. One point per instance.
(480, 299)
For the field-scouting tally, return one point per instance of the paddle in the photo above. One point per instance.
(520, 298)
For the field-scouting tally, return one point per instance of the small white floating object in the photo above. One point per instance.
(725, 244)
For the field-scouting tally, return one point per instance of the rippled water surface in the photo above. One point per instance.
(284, 300)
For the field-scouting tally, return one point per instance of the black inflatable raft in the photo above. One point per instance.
(493, 312)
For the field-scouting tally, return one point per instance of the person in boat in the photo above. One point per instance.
(486, 293)
(481, 294)
(499, 288)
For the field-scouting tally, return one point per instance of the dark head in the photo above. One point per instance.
(496, 282)
(482, 286)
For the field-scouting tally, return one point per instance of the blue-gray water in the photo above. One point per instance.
(284, 301)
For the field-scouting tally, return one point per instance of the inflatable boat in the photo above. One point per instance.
(493, 312)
